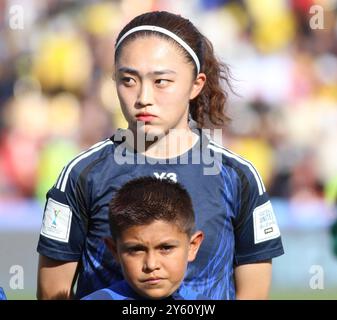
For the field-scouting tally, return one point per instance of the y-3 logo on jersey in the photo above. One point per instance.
(166, 175)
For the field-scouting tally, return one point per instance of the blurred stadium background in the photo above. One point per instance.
(57, 98)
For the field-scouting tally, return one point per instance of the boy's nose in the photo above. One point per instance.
(151, 262)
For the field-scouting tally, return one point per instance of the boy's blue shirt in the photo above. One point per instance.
(122, 291)
(2, 294)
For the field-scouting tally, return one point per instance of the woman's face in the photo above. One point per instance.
(154, 84)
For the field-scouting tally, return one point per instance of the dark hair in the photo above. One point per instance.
(213, 97)
(144, 200)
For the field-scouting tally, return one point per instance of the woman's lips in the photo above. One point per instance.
(145, 117)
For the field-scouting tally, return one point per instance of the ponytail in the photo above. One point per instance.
(212, 99)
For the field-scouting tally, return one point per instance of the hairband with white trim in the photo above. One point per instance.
(168, 33)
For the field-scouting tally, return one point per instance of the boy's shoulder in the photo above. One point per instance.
(121, 290)
(186, 293)
(118, 291)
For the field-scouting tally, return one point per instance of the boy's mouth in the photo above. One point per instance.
(152, 280)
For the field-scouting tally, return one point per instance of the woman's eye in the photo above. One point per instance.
(128, 81)
(162, 82)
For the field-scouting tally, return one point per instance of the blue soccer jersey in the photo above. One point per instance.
(230, 202)
(121, 290)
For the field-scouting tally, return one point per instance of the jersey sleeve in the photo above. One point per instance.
(63, 229)
(257, 235)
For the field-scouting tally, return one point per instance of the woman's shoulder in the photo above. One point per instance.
(240, 165)
(86, 159)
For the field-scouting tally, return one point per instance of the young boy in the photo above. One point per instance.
(153, 239)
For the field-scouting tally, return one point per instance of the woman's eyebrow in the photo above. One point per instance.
(135, 72)
(165, 71)
(128, 70)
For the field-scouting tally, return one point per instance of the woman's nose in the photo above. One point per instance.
(145, 96)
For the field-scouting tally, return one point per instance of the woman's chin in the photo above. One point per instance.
(152, 133)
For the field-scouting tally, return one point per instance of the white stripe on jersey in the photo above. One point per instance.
(59, 180)
(96, 147)
(230, 154)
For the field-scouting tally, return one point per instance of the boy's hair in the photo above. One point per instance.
(144, 200)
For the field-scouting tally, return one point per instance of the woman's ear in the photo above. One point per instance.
(198, 84)
(195, 243)
(113, 76)
(112, 246)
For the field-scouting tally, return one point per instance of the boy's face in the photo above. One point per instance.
(154, 257)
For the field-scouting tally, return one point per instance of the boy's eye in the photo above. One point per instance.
(135, 250)
(166, 248)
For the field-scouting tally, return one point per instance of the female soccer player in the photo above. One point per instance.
(165, 73)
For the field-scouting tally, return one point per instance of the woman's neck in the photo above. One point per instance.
(173, 144)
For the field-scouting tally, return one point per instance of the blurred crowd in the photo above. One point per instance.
(57, 96)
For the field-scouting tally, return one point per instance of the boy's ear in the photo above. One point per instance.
(111, 245)
(195, 242)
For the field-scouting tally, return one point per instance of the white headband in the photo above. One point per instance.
(168, 33)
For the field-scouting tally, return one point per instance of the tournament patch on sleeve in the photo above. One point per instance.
(56, 221)
(265, 225)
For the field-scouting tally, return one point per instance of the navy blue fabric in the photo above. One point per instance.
(122, 291)
(223, 202)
